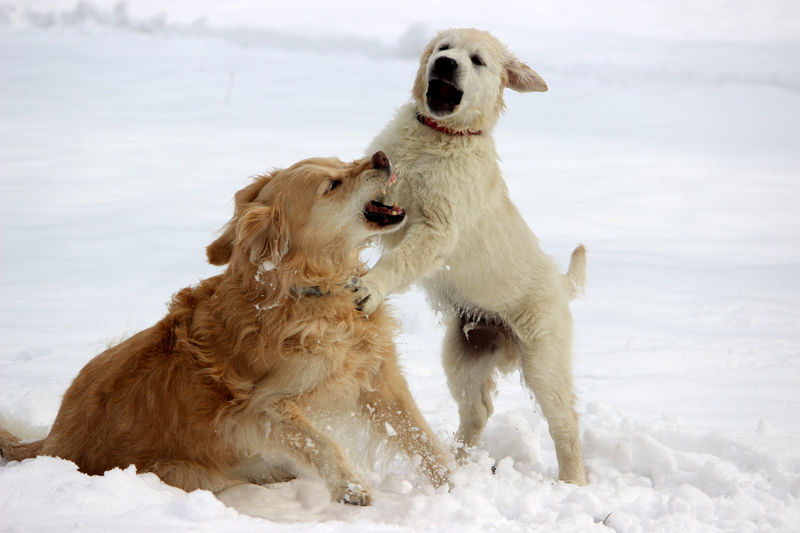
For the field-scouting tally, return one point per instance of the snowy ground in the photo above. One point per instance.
(669, 143)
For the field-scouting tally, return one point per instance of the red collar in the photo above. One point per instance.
(444, 129)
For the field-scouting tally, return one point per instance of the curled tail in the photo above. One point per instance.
(11, 449)
(575, 278)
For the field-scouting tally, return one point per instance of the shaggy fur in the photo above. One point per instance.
(469, 247)
(224, 388)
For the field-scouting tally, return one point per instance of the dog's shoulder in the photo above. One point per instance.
(185, 301)
(395, 134)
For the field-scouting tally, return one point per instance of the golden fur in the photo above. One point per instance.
(506, 303)
(226, 386)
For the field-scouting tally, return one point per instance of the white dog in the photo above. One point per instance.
(466, 243)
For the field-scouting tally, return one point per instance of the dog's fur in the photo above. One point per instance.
(470, 248)
(222, 389)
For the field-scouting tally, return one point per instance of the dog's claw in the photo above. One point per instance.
(360, 302)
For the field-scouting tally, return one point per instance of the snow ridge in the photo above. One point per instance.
(86, 15)
(685, 63)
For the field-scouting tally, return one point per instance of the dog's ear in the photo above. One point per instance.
(421, 81)
(220, 251)
(522, 78)
(260, 232)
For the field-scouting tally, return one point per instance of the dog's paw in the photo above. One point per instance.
(367, 296)
(354, 493)
(440, 477)
(462, 454)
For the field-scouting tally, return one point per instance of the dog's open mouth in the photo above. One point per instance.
(382, 214)
(442, 97)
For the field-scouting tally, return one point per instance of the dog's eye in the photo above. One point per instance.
(444, 47)
(334, 184)
(476, 60)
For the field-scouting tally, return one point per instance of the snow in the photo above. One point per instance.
(668, 144)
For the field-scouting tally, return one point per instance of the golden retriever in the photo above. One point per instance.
(469, 247)
(230, 383)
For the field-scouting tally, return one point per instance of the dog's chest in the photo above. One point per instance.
(432, 167)
(461, 191)
(335, 352)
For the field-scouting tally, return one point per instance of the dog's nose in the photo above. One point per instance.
(380, 161)
(445, 66)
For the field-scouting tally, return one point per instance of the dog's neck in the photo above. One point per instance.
(422, 119)
(316, 291)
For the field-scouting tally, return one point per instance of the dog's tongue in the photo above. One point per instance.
(441, 93)
(447, 91)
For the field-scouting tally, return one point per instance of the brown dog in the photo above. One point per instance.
(223, 389)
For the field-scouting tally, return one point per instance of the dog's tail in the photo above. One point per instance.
(11, 449)
(575, 278)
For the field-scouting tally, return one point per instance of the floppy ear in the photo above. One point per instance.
(220, 251)
(522, 78)
(418, 91)
(260, 232)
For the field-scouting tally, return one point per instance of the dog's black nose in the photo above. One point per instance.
(380, 161)
(445, 66)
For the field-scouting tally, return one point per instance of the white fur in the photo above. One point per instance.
(469, 247)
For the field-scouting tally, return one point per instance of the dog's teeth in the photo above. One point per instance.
(394, 205)
(394, 213)
(384, 191)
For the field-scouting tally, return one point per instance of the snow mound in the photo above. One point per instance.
(645, 476)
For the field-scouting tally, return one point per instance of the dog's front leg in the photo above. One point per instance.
(419, 255)
(394, 415)
(305, 442)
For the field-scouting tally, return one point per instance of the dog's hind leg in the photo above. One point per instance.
(473, 351)
(191, 476)
(545, 345)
